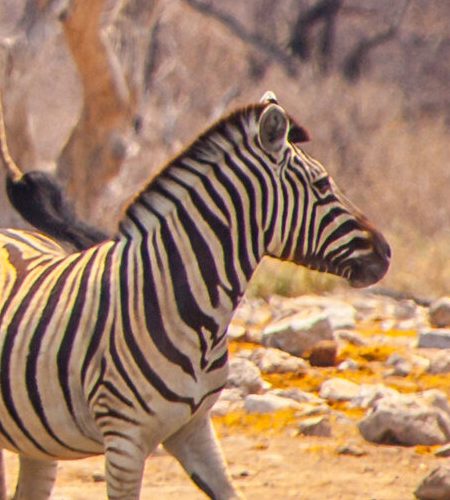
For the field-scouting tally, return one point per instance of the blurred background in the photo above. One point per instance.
(104, 92)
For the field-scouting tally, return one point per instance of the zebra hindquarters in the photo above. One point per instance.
(36, 479)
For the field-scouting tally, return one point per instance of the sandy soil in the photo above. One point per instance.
(268, 466)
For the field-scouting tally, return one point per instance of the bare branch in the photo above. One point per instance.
(355, 61)
(272, 50)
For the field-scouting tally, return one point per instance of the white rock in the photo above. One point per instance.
(440, 363)
(350, 337)
(348, 365)
(236, 332)
(369, 394)
(230, 400)
(438, 338)
(297, 334)
(315, 426)
(338, 389)
(270, 360)
(298, 395)
(436, 486)
(439, 312)
(268, 403)
(406, 420)
(245, 375)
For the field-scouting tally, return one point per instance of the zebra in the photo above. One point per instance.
(122, 347)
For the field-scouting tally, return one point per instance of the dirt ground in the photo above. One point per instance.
(269, 466)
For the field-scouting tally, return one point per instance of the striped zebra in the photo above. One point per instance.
(122, 346)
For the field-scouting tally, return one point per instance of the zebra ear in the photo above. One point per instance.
(273, 128)
(298, 134)
(269, 97)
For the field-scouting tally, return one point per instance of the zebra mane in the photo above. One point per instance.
(200, 145)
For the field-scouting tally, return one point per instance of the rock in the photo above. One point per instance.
(400, 366)
(437, 338)
(270, 360)
(298, 395)
(245, 375)
(443, 451)
(405, 309)
(350, 337)
(338, 389)
(406, 420)
(324, 353)
(268, 403)
(98, 477)
(436, 486)
(369, 394)
(253, 313)
(440, 363)
(236, 332)
(351, 450)
(439, 312)
(348, 365)
(315, 426)
(297, 334)
(230, 400)
(339, 312)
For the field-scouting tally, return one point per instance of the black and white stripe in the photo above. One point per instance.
(122, 346)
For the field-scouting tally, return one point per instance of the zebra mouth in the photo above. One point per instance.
(367, 271)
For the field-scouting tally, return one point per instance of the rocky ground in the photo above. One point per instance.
(342, 397)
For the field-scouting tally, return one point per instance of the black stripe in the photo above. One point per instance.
(67, 341)
(34, 352)
(123, 373)
(102, 313)
(202, 253)
(10, 338)
(222, 231)
(188, 309)
(153, 317)
(154, 379)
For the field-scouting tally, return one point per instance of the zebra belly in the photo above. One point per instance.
(41, 419)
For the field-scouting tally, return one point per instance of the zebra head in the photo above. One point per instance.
(317, 226)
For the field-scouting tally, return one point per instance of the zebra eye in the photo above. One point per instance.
(323, 185)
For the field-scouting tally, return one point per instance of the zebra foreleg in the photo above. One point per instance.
(196, 447)
(125, 457)
(36, 479)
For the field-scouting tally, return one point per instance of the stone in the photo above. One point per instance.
(369, 394)
(400, 366)
(316, 426)
(440, 363)
(439, 312)
(436, 486)
(406, 420)
(245, 375)
(253, 313)
(338, 389)
(271, 360)
(350, 337)
(298, 395)
(348, 365)
(229, 400)
(268, 403)
(443, 451)
(324, 353)
(340, 313)
(438, 338)
(351, 450)
(297, 334)
(98, 477)
(236, 332)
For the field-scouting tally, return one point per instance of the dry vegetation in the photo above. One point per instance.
(384, 137)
